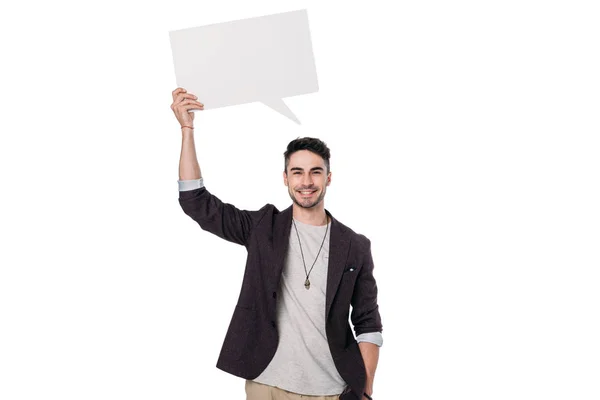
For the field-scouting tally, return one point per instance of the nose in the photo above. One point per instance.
(307, 180)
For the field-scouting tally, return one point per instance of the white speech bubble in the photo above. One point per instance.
(257, 59)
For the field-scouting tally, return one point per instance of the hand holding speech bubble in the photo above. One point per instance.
(257, 59)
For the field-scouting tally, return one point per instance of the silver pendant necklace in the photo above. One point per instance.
(307, 281)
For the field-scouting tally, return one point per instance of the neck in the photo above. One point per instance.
(310, 216)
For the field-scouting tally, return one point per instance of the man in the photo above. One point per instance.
(289, 336)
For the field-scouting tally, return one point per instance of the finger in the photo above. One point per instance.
(191, 101)
(182, 96)
(189, 107)
(177, 91)
(183, 107)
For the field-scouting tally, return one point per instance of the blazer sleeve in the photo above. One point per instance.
(219, 218)
(365, 310)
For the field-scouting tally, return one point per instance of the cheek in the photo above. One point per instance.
(292, 182)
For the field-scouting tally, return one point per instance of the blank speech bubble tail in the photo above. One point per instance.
(278, 105)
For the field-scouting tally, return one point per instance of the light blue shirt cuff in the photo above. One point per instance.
(191, 184)
(371, 337)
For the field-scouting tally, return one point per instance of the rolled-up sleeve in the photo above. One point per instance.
(191, 184)
(371, 337)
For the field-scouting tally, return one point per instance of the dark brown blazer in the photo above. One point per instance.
(251, 341)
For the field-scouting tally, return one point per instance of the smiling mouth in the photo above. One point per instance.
(307, 192)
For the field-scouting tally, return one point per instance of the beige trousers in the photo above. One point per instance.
(258, 391)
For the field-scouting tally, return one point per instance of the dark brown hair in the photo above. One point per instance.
(311, 144)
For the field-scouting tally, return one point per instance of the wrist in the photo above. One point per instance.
(187, 128)
(187, 133)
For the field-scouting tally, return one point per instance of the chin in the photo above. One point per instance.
(308, 203)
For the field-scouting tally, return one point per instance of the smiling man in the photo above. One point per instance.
(289, 335)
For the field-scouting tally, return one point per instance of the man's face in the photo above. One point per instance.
(306, 178)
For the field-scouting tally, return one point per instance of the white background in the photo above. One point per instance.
(464, 141)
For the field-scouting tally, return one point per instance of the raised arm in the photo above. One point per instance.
(183, 103)
(213, 215)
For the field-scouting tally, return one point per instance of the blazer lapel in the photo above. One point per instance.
(281, 239)
(339, 245)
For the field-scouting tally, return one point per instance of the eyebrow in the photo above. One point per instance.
(312, 169)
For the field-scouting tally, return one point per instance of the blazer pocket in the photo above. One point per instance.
(349, 276)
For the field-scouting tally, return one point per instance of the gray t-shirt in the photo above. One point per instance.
(303, 362)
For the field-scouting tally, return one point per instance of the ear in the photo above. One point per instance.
(329, 178)
(285, 180)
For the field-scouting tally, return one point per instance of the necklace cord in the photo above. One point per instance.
(302, 252)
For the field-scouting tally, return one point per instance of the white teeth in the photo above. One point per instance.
(306, 192)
